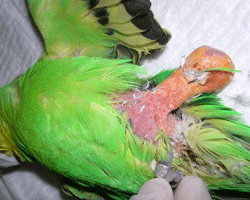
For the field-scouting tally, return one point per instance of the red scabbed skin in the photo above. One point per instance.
(150, 111)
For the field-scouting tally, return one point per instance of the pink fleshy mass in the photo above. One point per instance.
(146, 120)
(150, 112)
(215, 52)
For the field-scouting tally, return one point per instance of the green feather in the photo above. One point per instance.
(66, 106)
(156, 79)
(209, 106)
(65, 30)
(225, 69)
(233, 128)
(160, 77)
(212, 111)
(218, 148)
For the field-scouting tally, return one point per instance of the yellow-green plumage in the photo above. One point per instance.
(217, 145)
(62, 116)
(95, 28)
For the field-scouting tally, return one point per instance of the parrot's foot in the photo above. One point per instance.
(174, 176)
(164, 170)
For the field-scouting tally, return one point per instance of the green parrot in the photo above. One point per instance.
(68, 114)
(102, 129)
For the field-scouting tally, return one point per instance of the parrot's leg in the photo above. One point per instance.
(164, 170)
(150, 111)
